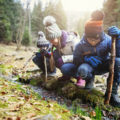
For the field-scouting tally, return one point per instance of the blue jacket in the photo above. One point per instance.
(83, 48)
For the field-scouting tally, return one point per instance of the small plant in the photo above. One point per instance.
(98, 114)
(78, 110)
(64, 106)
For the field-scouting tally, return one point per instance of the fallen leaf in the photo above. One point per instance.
(30, 115)
(65, 111)
(36, 118)
(9, 118)
(18, 118)
(92, 113)
(43, 98)
(26, 97)
(58, 116)
(3, 93)
(49, 105)
(75, 117)
(37, 109)
(10, 95)
(85, 118)
(16, 107)
(11, 113)
(20, 98)
(37, 103)
(27, 105)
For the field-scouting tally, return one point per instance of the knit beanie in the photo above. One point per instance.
(42, 42)
(52, 30)
(94, 26)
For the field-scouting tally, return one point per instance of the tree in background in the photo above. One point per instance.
(51, 8)
(22, 24)
(15, 25)
(58, 12)
(111, 9)
(8, 19)
(81, 23)
(26, 37)
(37, 18)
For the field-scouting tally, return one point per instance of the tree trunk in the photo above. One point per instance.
(22, 28)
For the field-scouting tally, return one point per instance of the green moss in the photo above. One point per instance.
(3, 104)
(4, 69)
(69, 90)
(37, 96)
(36, 81)
(13, 99)
(33, 82)
(52, 84)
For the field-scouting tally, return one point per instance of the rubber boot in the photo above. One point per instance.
(115, 100)
(85, 71)
(80, 82)
(89, 84)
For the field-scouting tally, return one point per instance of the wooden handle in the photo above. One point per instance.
(45, 69)
(111, 72)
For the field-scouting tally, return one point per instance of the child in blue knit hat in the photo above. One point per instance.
(44, 47)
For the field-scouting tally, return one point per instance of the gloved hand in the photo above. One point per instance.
(43, 52)
(38, 54)
(93, 60)
(114, 31)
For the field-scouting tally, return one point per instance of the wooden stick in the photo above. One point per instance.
(51, 60)
(28, 61)
(111, 73)
(45, 69)
(52, 63)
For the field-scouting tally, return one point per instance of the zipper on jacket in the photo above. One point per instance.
(95, 50)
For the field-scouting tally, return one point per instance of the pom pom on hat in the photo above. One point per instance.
(52, 30)
(41, 34)
(49, 20)
(97, 15)
(42, 42)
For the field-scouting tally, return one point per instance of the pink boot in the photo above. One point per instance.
(80, 82)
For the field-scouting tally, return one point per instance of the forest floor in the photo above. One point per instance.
(20, 102)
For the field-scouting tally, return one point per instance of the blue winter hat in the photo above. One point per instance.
(42, 42)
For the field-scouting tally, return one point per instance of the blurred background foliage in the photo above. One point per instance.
(17, 21)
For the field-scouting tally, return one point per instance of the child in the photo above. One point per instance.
(63, 45)
(43, 45)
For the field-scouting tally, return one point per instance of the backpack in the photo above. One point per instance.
(71, 41)
(67, 51)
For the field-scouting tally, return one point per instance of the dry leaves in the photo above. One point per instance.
(92, 113)
(65, 111)
(85, 118)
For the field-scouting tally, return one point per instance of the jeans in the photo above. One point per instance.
(69, 69)
(87, 72)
